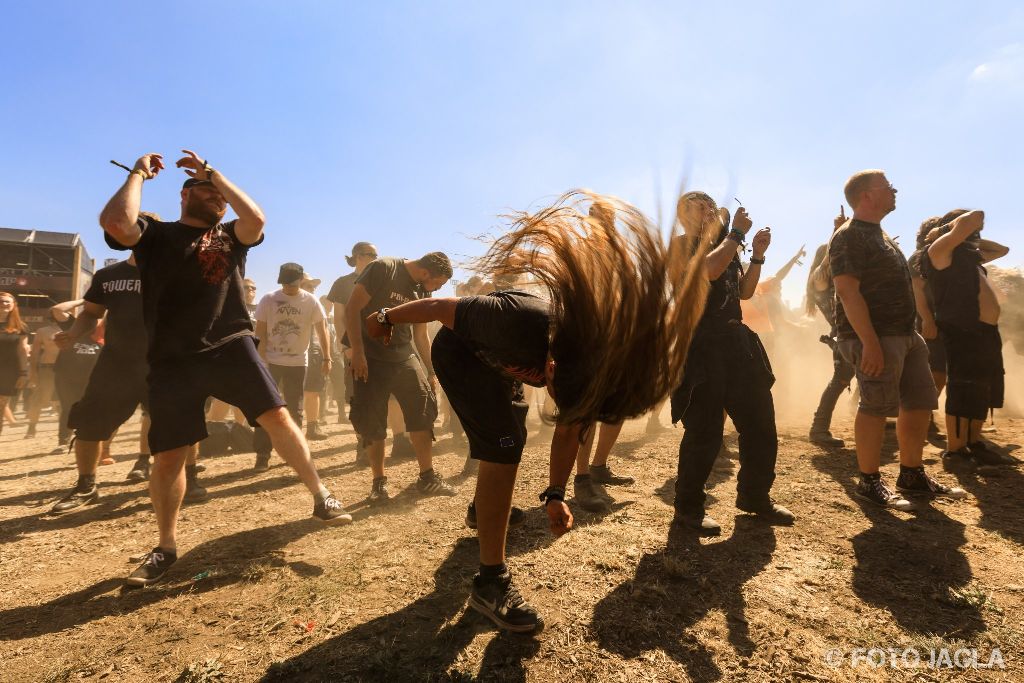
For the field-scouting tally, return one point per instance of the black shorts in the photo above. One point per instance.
(975, 382)
(117, 386)
(9, 377)
(315, 380)
(490, 406)
(407, 382)
(937, 354)
(178, 389)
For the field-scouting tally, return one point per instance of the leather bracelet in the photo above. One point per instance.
(737, 236)
(756, 261)
(553, 493)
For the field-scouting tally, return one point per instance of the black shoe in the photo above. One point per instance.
(379, 491)
(773, 513)
(515, 518)
(823, 437)
(75, 500)
(140, 470)
(498, 600)
(362, 457)
(152, 568)
(587, 495)
(916, 481)
(874, 491)
(332, 512)
(984, 455)
(194, 492)
(700, 521)
(313, 432)
(401, 449)
(262, 462)
(602, 474)
(434, 485)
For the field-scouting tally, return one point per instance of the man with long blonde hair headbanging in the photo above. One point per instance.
(608, 344)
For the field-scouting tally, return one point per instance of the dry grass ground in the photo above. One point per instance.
(262, 591)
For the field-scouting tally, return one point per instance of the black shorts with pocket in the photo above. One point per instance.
(976, 379)
(404, 379)
(117, 386)
(490, 406)
(178, 389)
(316, 380)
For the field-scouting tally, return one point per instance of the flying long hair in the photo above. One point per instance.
(624, 302)
(14, 322)
(810, 292)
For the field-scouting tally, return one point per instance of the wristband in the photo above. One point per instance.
(756, 261)
(553, 493)
(736, 236)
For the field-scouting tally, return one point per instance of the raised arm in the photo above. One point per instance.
(85, 323)
(941, 250)
(251, 220)
(990, 250)
(748, 283)
(64, 310)
(795, 261)
(719, 258)
(119, 217)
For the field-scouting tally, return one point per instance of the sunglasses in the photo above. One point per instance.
(371, 254)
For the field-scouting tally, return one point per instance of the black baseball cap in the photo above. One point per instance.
(290, 272)
(189, 182)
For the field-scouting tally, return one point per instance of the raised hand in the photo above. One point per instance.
(193, 165)
(762, 240)
(150, 164)
(741, 221)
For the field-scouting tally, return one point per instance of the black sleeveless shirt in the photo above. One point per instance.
(955, 289)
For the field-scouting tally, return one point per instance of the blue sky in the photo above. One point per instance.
(413, 125)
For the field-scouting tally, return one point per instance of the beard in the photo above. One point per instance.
(202, 211)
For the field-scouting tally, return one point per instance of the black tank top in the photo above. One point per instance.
(955, 289)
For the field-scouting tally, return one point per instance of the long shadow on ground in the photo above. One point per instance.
(912, 567)
(676, 588)
(424, 639)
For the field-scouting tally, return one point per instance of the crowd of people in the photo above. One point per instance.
(583, 310)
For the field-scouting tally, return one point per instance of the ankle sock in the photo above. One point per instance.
(321, 495)
(427, 474)
(86, 482)
(492, 571)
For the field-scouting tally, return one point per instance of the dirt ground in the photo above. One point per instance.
(262, 591)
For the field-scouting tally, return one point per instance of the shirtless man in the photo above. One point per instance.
(967, 316)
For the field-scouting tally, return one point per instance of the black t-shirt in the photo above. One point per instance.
(193, 297)
(342, 288)
(9, 343)
(118, 288)
(389, 284)
(864, 251)
(76, 364)
(955, 288)
(508, 331)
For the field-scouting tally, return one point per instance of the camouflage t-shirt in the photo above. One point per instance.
(864, 251)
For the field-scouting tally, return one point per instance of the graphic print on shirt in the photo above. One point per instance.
(213, 250)
(111, 286)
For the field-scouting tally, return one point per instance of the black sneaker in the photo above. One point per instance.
(139, 471)
(194, 491)
(152, 569)
(824, 437)
(767, 510)
(498, 600)
(401, 449)
(515, 518)
(873, 490)
(262, 462)
(75, 500)
(916, 481)
(379, 491)
(602, 474)
(984, 455)
(332, 512)
(698, 521)
(313, 432)
(434, 485)
(587, 496)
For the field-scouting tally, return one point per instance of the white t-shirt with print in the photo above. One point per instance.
(290, 321)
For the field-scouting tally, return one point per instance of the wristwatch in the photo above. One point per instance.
(382, 317)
